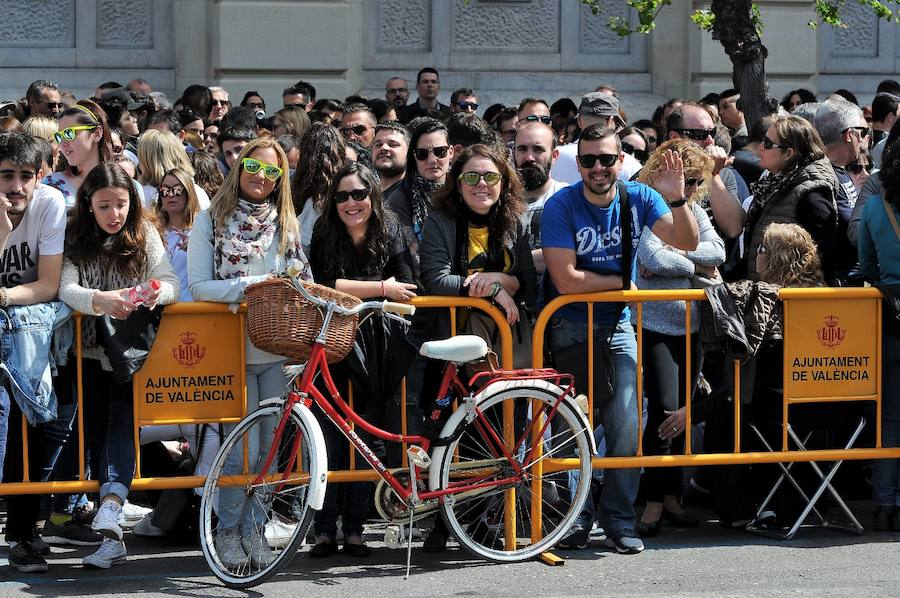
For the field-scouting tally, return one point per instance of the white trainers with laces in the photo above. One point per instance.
(146, 529)
(111, 552)
(257, 548)
(132, 512)
(106, 521)
(279, 532)
(228, 548)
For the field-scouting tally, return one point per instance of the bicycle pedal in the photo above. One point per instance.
(418, 456)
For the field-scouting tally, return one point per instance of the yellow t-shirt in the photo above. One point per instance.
(478, 251)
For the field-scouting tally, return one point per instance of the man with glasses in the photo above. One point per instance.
(396, 92)
(43, 99)
(463, 100)
(692, 121)
(533, 110)
(296, 96)
(358, 124)
(844, 132)
(220, 104)
(582, 239)
(428, 85)
(596, 108)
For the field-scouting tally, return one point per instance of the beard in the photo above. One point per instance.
(534, 174)
(391, 170)
(19, 205)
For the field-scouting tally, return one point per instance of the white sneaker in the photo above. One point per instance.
(146, 529)
(228, 548)
(257, 548)
(111, 552)
(279, 532)
(106, 521)
(132, 512)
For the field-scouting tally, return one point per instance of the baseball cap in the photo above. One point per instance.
(598, 103)
(122, 94)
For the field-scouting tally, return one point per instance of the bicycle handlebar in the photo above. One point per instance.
(388, 306)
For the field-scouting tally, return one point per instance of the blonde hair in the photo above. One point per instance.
(792, 259)
(158, 153)
(41, 127)
(225, 201)
(697, 164)
(191, 205)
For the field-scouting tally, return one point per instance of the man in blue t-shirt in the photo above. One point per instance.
(582, 242)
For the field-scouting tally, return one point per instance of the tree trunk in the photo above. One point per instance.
(734, 28)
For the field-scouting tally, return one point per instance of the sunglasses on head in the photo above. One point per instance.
(769, 144)
(69, 133)
(473, 178)
(606, 160)
(534, 118)
(355, 129)
(468, 105)
(355, 195)
(857, 168)
(171, 191)
(696, 134)
(641, 155)
(270, 171)
(440, 151)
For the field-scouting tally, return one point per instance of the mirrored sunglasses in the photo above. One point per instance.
(473, 178)
(270, 171)
(69, 133)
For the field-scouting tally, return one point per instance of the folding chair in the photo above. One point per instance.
(756, 526)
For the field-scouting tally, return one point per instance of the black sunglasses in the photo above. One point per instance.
(769, 144)
(606, 160)
(356, 130)
(440, 151)
(356, 194)
(468, 105)
(535, 118)
(857, 168)
(641, 155)
(696, 134)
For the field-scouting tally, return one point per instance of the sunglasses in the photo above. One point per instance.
(692, 182)
(440, 151)
(301, 106)
(220, 102)
(473, 178)
(171, 191)
(535, 118)
(356, 130)
(862, 131)
(696, 134)
(255, 106)
(769, 144)
(270, 171)
(630, 149)
(69, 133)
(355, 194)
(857, 168)
(468, 105)
(52, 105)
(606, 160)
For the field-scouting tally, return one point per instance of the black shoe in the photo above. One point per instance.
(39, 546)
(884, 518)
(577, 538)
(357, 550)
(648, 530)
(435, 542)
(24, 559)
(323, 549)
(679, 519)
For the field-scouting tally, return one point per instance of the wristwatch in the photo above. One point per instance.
(678, 203)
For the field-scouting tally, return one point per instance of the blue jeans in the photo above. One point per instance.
(886, 472)
(618, 417)
(264, 381)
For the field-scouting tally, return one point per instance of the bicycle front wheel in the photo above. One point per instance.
(497, 474)
(253, 521)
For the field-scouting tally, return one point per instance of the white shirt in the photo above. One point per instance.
(42, 230)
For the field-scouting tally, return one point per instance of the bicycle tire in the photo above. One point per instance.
(265, 498)
(478, 521)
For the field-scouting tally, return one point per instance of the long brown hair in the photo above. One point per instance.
(126, 250)
(225, 201)
(504, 221)
(322, 153)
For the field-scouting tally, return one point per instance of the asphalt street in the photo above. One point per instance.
(708, 561)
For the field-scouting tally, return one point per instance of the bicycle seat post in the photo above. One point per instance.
(417, 458)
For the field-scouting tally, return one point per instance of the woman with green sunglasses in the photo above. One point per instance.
(248, 234)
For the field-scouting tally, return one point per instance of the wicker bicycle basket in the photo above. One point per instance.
(281, 321)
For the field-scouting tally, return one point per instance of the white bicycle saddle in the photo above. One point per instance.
(459, 349)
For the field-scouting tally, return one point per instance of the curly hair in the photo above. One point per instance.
(792, 257)
(697, 165)
(322, 153)
(86, 241)
(504, 219)
(336, 241)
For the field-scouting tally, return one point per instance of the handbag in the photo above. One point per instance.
(128, 342)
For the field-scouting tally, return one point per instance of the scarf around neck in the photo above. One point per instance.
(770, 188)
(420, 197)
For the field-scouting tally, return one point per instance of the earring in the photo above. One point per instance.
(91, 210)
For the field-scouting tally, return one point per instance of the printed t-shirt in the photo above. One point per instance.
(42, 231)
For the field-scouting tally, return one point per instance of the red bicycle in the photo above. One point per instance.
(514, 436)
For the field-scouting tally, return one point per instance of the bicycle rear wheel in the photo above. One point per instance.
(250, 531)
(497, 522)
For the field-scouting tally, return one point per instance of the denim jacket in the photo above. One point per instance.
(25, 344)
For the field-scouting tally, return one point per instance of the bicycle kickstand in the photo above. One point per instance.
(417, 458)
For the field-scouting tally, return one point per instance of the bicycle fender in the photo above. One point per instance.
(457, 417)
(317, 439)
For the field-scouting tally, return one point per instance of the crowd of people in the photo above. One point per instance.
(115, 205)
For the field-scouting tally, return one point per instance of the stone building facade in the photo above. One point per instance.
(504, 49)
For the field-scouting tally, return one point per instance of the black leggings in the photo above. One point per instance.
(664, 361)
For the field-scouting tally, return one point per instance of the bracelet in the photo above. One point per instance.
(97, 310)
(495, 290)
(678, 203)
(382, 288)
(4, 297)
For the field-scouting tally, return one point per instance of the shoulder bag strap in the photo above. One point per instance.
(890, 212)
(625, 229)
